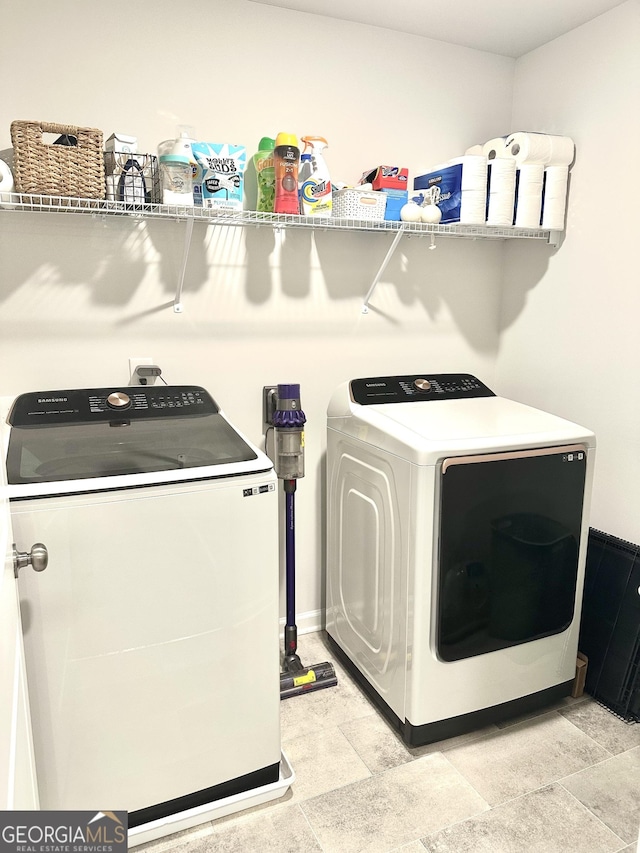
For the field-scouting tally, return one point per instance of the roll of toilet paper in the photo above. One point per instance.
(495, 148)
(540, 148)
(475, 149)
(474, 171)
(6, 184)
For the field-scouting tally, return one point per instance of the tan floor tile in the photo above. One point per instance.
(544, 821)
(522, 758)
(377, 744)
(308, 714)
(323, 762)
(393, 808)
(611, 791)
(283, 830)
(604, 727)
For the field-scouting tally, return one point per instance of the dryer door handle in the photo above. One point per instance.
(37, 558)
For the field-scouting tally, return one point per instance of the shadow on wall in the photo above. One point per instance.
(59, 251)
(524, 266)
(464, 277)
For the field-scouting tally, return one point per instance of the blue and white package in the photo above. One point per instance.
(223, 168)
(459, 189)
(444, 188)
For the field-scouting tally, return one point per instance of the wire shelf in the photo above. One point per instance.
(94, 207)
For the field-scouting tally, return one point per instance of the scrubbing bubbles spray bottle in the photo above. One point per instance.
(315, 190)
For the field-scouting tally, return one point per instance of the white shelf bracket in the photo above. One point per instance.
(177, 303)
(383, 266)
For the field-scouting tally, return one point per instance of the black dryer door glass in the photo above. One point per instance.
(508, 548)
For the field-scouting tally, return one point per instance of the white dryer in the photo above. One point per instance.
(151, 639)
(457, 524)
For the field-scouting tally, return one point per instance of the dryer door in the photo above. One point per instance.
(509, 536)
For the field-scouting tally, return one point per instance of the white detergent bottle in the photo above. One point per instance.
(315, 190)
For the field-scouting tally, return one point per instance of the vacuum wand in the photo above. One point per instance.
(288, 421)
(291, 659)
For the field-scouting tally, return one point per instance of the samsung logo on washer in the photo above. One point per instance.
(53, 399)
(376, 384)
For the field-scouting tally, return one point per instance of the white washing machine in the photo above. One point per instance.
(457, 525)
(151, 639)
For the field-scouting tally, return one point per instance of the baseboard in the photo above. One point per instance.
(308, 623)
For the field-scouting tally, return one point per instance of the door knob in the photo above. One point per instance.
(37, 558)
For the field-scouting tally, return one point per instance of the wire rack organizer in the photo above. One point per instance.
(610, 629)
(16, 202)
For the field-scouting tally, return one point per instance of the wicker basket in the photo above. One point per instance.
(63, 170)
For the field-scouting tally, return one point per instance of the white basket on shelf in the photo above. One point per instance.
(359, 204)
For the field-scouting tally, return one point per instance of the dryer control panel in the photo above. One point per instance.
(417, 388)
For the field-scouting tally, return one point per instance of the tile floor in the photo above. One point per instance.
(566, 779)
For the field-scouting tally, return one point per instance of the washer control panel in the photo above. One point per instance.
(417, 388)
(43, 408)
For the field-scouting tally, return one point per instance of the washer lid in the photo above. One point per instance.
(74, 435)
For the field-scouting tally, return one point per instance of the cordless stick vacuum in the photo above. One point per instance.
(284, 412)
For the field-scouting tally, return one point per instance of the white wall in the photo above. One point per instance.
(79, 296)
(569, 339)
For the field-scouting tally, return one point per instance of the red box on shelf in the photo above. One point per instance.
(386, 177)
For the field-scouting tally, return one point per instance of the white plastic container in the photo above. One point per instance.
(359, 204)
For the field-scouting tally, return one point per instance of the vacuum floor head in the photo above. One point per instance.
(307, 679)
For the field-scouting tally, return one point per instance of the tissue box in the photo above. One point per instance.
(396, 200)
(121, 144)
(386, 177)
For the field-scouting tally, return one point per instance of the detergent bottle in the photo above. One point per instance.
(315, 191)
(285, 160)
(263, 162)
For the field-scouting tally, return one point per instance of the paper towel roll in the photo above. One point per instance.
(474, 171)
(501, 175)
(500, 209)
(495, 148)
(473, 204)
(540, 148)
(530, 179)
(556, 181)
(528, 211)
(6, 184)
(529, 184)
